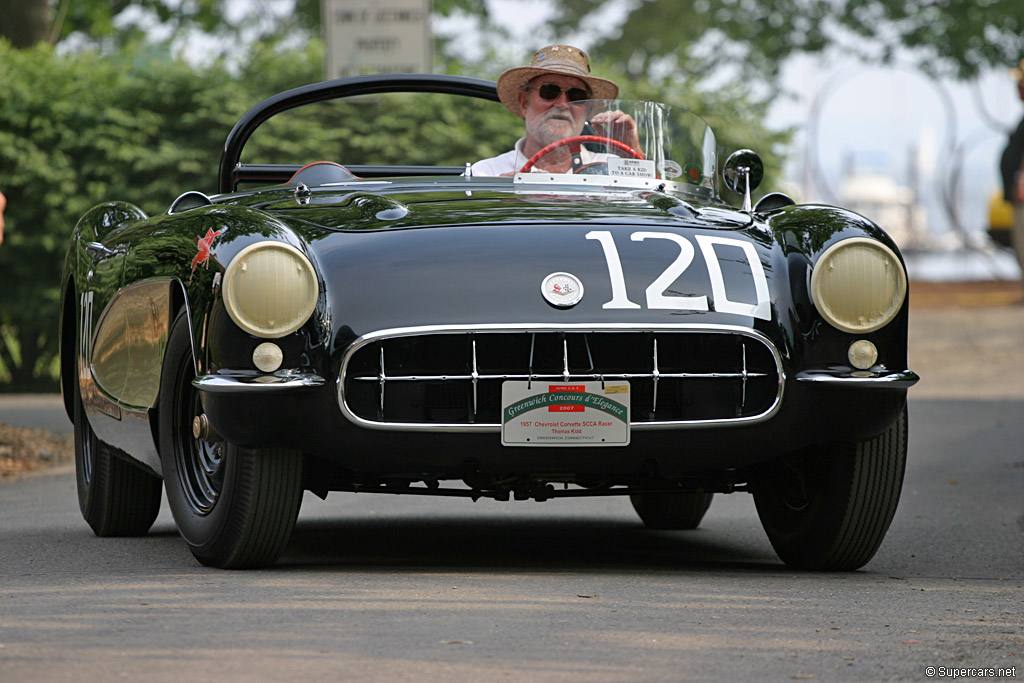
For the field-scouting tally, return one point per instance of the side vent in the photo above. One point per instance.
(772, 202)
(188, 201)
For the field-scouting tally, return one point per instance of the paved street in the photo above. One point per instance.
(395, 588)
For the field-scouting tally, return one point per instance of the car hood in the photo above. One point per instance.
(372, 206)
(479, 256)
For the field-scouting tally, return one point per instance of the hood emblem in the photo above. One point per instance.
(562, 289)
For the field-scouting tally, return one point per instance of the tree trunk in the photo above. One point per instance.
(25, 22)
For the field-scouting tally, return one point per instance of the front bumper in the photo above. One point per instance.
(306, 416)
(860, 379)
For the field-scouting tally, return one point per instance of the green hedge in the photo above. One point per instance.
(76, 131)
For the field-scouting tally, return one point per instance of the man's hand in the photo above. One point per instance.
(617, 125)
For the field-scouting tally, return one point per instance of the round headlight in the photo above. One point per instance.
(858, 285)
(270, 289)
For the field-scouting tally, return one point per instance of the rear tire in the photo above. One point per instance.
(829, 510)
(235, 507)
(116, 496)
(675, 511)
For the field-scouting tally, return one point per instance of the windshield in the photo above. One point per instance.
(627, 144)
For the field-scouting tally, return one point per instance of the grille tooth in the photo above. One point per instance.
(382, 378)
(451, 378)
(655, 376)
(476, 380)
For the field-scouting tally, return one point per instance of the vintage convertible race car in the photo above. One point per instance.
(619, 329)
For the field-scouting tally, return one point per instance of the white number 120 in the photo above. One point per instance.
(656, 298)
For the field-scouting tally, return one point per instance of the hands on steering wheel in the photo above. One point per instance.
(574, 143)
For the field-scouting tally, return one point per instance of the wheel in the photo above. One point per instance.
(573, 142)
(671, 510)
(830, 510)
(235, 507)
(116, 496)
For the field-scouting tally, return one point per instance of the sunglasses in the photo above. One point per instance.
(550, 91)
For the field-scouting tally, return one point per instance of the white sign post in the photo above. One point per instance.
(376, 37)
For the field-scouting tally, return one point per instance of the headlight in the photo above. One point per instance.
(858, 285)
(270, 289)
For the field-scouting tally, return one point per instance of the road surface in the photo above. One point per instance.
(388, 588)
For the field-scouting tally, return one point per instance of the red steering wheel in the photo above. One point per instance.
(574, 143)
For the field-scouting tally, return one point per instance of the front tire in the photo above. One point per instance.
(116, 496)
(829, 510)
(235, 507)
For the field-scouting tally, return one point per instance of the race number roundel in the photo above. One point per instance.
(562, 289)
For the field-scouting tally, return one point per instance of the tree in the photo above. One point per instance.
(950, 37)
(28, 22)
(77, 131)
(699, 37)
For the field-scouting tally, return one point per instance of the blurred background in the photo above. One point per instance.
(899, 110)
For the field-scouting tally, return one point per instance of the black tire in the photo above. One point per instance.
(235, 507)
(830, 510)
(116, 496)
(671, 510)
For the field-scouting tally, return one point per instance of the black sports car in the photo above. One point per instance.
(618, 329)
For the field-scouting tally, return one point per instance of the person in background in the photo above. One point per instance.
(1012, 167)
(549, 96)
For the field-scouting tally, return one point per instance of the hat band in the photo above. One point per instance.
(563, 65)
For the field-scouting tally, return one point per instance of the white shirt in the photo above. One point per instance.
(513, 160)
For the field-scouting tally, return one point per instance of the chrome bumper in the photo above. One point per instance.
(866, 379)
(257, 383)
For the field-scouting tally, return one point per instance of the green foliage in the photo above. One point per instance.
(753, 39)
(77, 131)
(413, 129)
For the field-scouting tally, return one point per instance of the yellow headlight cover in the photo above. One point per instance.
(858, 285)
(270, 289)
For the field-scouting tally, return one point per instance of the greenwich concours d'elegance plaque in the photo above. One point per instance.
(539, 413)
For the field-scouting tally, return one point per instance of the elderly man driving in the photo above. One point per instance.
(549, 95)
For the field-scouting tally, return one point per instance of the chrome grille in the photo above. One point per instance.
(449, 378)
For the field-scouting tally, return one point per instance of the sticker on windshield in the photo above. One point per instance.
(630, 168)
(670, 170)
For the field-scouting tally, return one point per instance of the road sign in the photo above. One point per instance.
(376, 36)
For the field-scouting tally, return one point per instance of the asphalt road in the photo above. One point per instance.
(401, 588)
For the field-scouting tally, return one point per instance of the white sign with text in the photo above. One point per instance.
(376, 37)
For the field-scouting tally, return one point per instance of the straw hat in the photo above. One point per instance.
(1018, 73)
(563, 60)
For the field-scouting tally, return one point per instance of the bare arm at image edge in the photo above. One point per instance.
(3, 205)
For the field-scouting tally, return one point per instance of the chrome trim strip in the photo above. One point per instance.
(613, 184)
(869, 380)
(575, 376)
(219, 384)
(552, 327)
